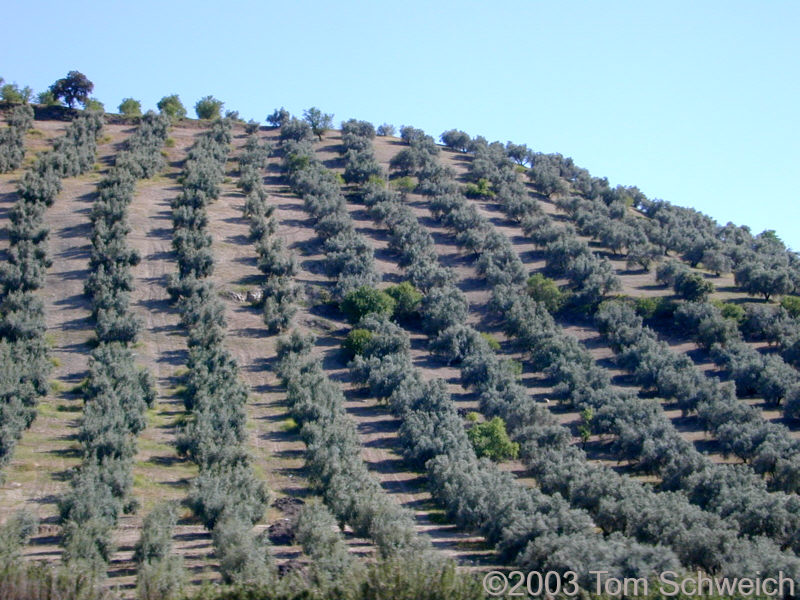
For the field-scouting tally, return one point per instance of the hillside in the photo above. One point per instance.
(655, 354)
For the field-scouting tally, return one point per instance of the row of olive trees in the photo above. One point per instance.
(523, 317)
(587, 386)
(761, 263)
(685, 386)
(360, 162)
(780, 327)
(476, 493)
(333, 454)
(280, 293)
(493, 172)
(116, 393)
(23, 350)
(12, 138)
(423, 434)
(349, 257)
(740, 429)
(226, 495)
(765, 375)
(444, 310)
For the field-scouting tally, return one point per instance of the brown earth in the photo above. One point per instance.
(39, 471)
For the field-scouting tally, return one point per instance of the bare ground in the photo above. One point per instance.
(40, 469)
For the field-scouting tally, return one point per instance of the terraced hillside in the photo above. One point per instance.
(653, 396)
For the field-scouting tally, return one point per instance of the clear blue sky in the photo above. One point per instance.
(694, 102)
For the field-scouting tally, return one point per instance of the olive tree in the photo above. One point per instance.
(319, 121)
(208, 108)
(279, 117)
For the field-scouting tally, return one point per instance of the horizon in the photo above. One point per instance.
(692, 104)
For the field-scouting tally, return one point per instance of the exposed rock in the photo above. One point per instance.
(255, 295)
(240, 297)
(281, 532)
(288, 505)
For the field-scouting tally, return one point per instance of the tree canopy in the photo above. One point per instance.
(320, 122)
(208, 108)
(172, 107)
(75, 87)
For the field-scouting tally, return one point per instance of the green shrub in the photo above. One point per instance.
(481, 189)
(11, 92)
(356, 341)
(544, 290)
(407, 300)
(404, 184)
(693, 287)
(366, 300)
(514, 367)
(656, 307)
(491, 440)
(792, 305)
(130, 107)
(729, 310)
(47, 98)
(208, 108)
(377, 181)
(172, 107)
(93, 104)
(289, 425)
(491, 340)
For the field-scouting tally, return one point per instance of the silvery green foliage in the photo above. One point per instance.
(226, 495)
(12, 138)
(317, 531)
(116, 393)
(586, 385)
(333, 454)
(23, 351)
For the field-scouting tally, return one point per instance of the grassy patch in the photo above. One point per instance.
(56, 387)
(141, 481)
(289, 426)
(492, 341)
(156, 418)
(80, 387)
